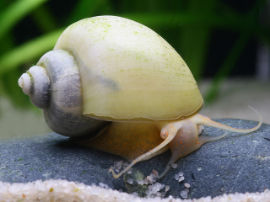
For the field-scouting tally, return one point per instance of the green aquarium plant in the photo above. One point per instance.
(187, 25)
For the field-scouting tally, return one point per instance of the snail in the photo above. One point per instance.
(123, 88)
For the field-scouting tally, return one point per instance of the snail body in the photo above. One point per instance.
(122, 86)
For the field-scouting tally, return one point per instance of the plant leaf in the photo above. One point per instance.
(227, 66)
(194, 39)
(174, 20)
(44, 19)
(27, 51)
(252, 19)
(87, 8)
(15, 12)
(12, 90)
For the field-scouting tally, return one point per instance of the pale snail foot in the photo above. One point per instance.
(182, 137)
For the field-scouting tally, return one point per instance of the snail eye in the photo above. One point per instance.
(164, 134)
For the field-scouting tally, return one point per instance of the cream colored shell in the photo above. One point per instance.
(128, 71)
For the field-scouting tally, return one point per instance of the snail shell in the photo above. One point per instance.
(110, 68)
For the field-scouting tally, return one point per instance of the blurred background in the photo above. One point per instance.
(224, 42)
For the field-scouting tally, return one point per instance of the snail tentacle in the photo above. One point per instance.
(204, 120)
(188, 140)
(168, 133)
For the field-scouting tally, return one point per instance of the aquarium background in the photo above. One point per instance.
(218, 39)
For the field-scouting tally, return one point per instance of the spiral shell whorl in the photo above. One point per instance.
(36, 84)
(25, 83)
(54, 85)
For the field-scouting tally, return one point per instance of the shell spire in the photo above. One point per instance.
(35, 83)
(25, 83)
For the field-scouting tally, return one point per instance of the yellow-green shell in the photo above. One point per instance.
(128, 71)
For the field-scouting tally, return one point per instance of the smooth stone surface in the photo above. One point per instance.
(233, 164)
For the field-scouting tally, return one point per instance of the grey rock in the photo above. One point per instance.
(237, 163)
